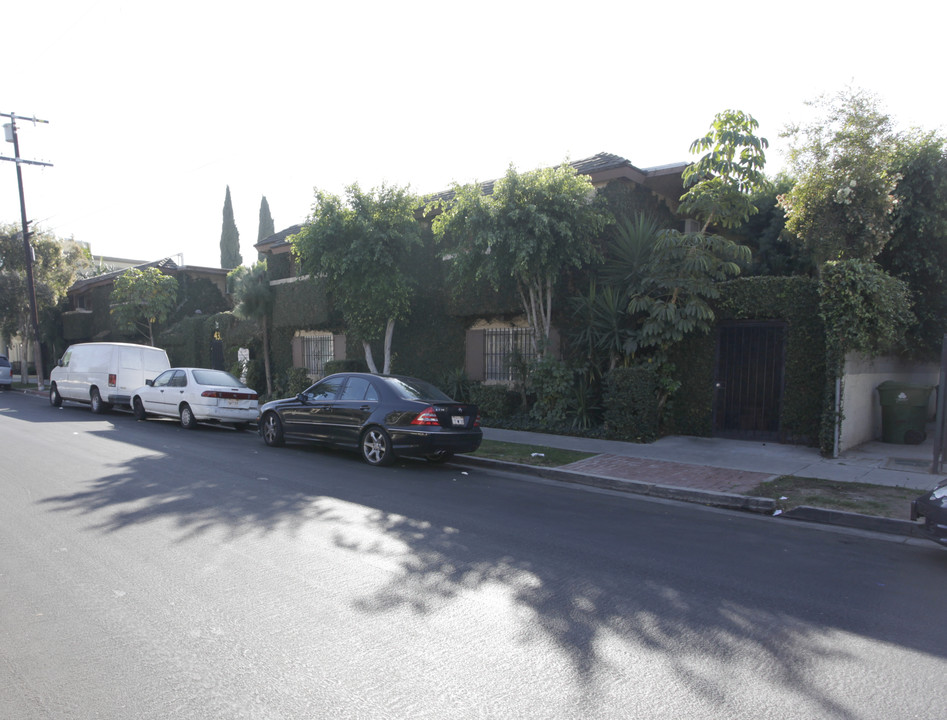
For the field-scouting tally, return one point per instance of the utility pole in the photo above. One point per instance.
(11, 136)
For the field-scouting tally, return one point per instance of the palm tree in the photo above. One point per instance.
(253, 298)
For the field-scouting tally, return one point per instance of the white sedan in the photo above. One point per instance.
(196, 395)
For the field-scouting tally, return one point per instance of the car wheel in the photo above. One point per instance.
(95, 401)
(139, 409)
(188, 421)
(55, 399)
(440, 456)
(272, 430)
(376, 447)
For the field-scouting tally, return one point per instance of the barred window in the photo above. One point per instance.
(501, 348)
(317, 350)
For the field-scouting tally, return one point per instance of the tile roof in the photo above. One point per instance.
(163, 264)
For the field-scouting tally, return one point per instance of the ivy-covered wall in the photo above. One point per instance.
(300, 305)
(188, 342)
(793, 300)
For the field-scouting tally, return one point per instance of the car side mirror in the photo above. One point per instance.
(302, 397)
(150, 383)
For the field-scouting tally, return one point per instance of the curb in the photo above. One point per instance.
(729, 501)
(712, 498)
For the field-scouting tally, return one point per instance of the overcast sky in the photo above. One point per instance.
(155, 108)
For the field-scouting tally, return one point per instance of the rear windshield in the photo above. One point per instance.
(4, 362)
(412, 389)
(216, 377)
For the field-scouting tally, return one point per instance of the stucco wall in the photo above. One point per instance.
(860, 403)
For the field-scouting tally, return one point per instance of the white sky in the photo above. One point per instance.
(154, 108)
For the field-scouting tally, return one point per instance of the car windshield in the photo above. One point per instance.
(216, 377)
(413, 389)
(4, 362)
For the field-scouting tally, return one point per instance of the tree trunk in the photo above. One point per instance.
(369, 359)
(389, 331)
(266, 358)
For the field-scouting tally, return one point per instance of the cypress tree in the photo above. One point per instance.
(267, 227)
(229, 238)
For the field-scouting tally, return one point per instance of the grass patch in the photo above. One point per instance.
(529, 454)
(881, 500)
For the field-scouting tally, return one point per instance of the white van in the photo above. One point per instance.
(104, 374)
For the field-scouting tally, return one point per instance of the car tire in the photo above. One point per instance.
(440, 456)
(271, 428)
(95, 402)
(375, 446)
(55, 399)
(188, 421)
(139, 409)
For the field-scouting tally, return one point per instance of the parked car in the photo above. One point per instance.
(380, 416)
(104, 374)
(933, 508)
(196, 395)
(6, 373)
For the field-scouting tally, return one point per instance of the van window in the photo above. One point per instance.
(131, 358)
(65, 358)
(155, 360)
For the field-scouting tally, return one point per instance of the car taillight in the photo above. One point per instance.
(229, 395)
(426, 417)
(112, 380)
(477, 421)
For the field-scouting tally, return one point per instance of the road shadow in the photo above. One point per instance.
(581, 567)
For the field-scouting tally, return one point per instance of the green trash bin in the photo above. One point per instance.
(904, 412)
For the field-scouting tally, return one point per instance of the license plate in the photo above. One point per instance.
(458, 420)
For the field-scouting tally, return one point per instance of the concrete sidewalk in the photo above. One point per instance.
(747, 463)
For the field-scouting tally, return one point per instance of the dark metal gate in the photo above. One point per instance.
(749, 380)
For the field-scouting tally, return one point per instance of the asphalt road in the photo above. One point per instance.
(151, 572)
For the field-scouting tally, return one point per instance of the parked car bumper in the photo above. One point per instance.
(208, 413)
(933, 508)
(427, 442)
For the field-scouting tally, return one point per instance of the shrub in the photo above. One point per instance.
(552, 383)
(337, 366)
(631, 403)
(295, 380)
(494, 401)
(457, 385)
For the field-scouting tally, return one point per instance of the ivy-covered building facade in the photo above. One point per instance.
(473, 329)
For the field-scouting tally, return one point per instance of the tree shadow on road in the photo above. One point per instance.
(587, 572)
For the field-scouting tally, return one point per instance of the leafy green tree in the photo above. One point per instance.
(841, 204)
(917, 250)
(532, 228)
(360, 247)
(266, 226)
(774, 250)
(253, 300)
(141, 299)
(230, 255)
(661, 281)
(864, 308)
(721, 184)
(57, 264)
(668, 279)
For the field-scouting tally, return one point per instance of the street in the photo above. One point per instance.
(151, 572)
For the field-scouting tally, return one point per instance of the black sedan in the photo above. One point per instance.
(381, 416)
(933, 508)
